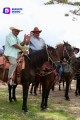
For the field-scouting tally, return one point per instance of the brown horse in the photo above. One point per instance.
(65, 52)
(36, 60)
(33, 62)
(4, 68)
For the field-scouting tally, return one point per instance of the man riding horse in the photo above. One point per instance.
(12, 48)
(34, 41)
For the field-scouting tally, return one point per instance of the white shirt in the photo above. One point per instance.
(78, 54)
(36, 44)
(9, 49)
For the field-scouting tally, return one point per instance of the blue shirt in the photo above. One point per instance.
(36, 44)
(9, 49)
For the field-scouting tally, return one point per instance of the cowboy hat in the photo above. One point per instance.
(77, 49)
(16, 28)
(36, 29)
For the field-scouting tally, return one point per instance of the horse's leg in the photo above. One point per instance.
(79, 87)
(33, 85)
(59, 87)
(10, 91)
(53, 86)
(25, 96)
(14, 95)
(40, 88)
(67, 89)
(43, 99)
(63, 84)
(31, 89)
(46, 98)
(36, 87)
(76, 91)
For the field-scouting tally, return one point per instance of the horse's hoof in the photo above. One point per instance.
(68, 99)
(35, 94)
(25, 110)
(76, 94)
(10, 100)
(14, 99)
(43, 108)
(31, 93)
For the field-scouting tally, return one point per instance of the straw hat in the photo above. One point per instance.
(16, 28)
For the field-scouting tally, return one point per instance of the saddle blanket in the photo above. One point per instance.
(2, 62)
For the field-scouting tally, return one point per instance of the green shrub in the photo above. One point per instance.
(77, 3)
(66, 14)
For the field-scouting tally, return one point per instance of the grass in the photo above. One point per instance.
(12, 111)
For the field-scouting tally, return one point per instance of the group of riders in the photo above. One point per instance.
(13, 46)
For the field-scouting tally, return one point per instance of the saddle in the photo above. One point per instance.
(4, 63)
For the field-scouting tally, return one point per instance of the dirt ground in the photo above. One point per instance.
(72, 106)
(58, 100)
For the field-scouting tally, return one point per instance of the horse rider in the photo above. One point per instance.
(35, 43)
(76, 52)
(12, 47)
(77, 75)
(34, 40)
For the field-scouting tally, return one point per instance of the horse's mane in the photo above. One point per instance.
(37, 58)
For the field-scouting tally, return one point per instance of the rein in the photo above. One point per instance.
(67, 53)
(49, 58)
(44, 73)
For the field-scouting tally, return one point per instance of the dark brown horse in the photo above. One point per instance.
(33, 62)
(4, 68)
(36, 60)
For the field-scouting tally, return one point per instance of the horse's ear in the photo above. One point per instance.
(64, 42)
(47, 45)
(67, 42)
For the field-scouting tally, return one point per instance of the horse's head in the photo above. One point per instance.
(65, 50)
(52, 55)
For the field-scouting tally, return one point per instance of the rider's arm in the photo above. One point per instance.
(24, 41)
(19, 47)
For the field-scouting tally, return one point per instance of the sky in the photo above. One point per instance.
(51, 19)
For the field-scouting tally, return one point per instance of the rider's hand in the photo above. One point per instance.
(24, 51)
(25, 37)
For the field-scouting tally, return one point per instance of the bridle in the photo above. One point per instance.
(65, 50)
(50, 56)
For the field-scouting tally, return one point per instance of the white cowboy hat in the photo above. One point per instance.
(15, 28)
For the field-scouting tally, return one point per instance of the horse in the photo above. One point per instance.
(36, 60)
(63, 51)
(33, 62)
(77, 78)
(4, 68)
